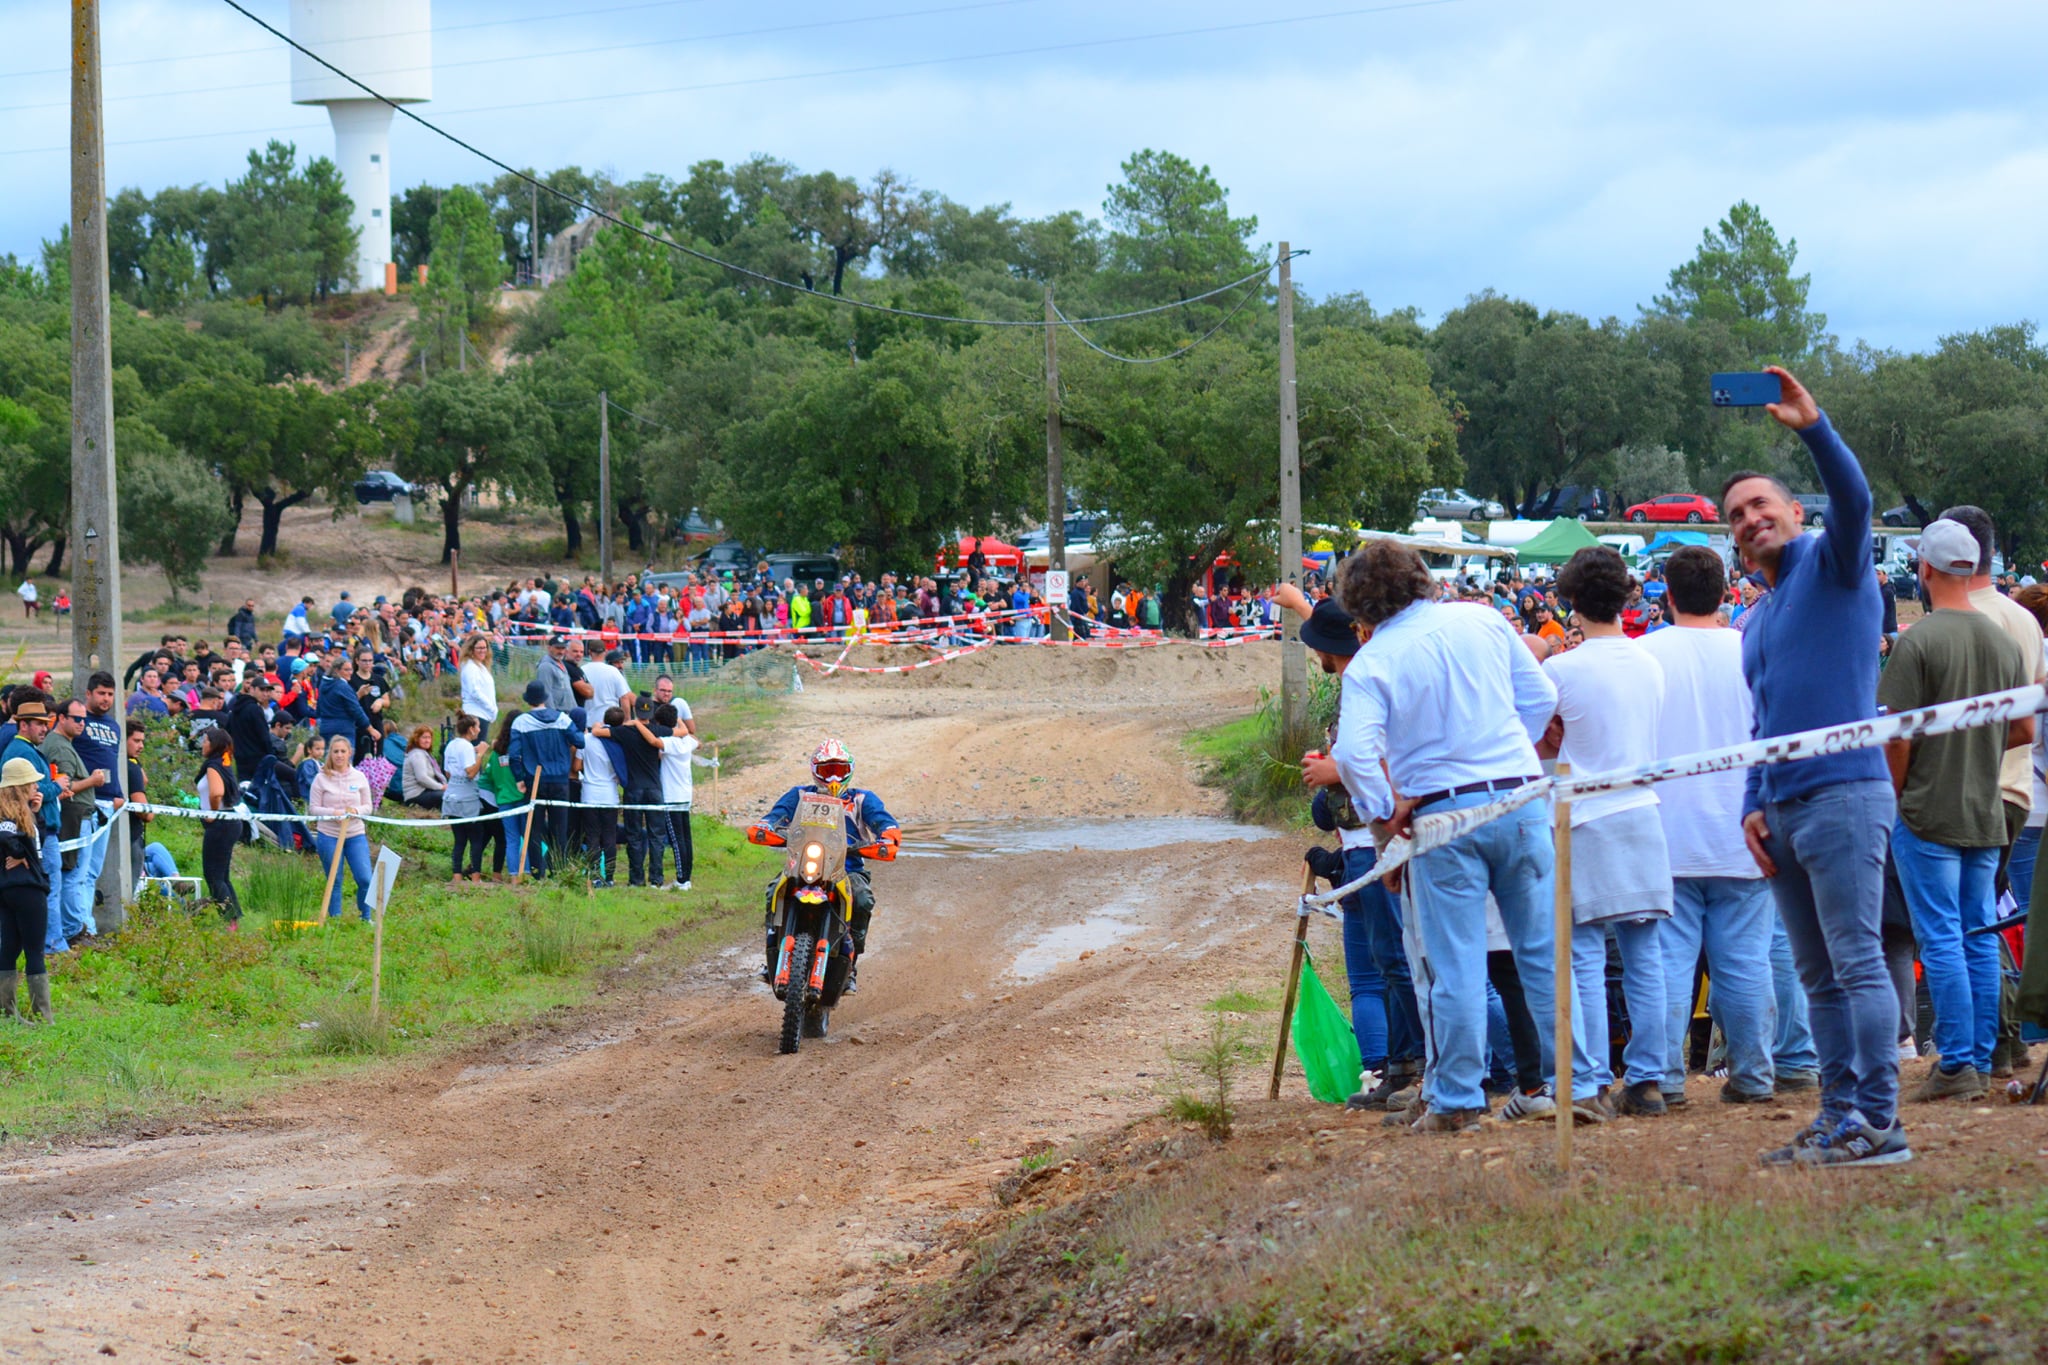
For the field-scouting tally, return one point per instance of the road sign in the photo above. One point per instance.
(1056, 584)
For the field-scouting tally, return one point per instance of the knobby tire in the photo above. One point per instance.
(793, 1004)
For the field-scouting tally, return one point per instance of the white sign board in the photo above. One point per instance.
(382, 878)
(1056, 584)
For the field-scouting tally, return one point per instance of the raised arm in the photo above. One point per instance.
(1846, 535)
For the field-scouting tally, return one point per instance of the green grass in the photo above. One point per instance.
(176, 1013)
(1256, 764)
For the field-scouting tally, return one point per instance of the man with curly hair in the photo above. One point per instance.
(1446, 697)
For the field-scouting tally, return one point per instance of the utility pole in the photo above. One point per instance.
(604, 487)
(1293, 663)
(533, 244)
(1055, 476)
(95, 525)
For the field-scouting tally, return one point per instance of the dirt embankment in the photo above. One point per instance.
(649, 1181)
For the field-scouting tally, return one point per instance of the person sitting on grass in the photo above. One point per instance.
(421, 780)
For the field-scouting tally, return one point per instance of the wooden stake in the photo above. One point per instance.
(1308, 884)
(382, 894)
(714, 783)
(526, 840)
(333, 874)
(1562, 1042)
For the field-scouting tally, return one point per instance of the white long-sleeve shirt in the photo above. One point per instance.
(479, 693)
(1447, 695)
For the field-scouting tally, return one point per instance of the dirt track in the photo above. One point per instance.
(654, 1183)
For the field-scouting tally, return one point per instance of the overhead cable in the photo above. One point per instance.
(1249, 295)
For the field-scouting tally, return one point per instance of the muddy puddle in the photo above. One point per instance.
(998, 838)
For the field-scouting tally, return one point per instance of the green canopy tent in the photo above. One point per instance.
(1556, 543)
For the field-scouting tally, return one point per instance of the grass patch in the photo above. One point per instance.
(1257, 764)
(1238, 1000)
(177, 1013)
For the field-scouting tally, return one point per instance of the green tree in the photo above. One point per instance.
(172, 510)
(1474, 354)
(283, 236)
(229, 424)
(1171, 232)
(476, 431)
(1741, 277)
(463, 277)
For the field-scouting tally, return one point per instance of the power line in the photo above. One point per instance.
(692, 252)
(1249, 295)
(402, 33)
(440, 66)
(1079, 44)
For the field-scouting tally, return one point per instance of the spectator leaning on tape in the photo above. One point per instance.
(1952, 825)
(1447, 696)
(1818, 828)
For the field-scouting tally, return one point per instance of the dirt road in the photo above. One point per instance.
(653, 1183)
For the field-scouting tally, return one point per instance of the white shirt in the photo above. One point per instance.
(676, 782)
(27, 591)
(600, 783)
(1706, 706)
(1448, 695)
(1610, 693)
(479, 692)
(608, 687)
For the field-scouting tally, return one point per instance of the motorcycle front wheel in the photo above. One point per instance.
(794, 1000)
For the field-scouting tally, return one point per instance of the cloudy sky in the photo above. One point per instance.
(1569, 151)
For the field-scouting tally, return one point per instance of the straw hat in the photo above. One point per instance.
(19, 772)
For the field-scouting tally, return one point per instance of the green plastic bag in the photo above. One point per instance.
(1323, 1040)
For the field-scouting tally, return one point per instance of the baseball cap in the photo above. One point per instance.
(1947, 547)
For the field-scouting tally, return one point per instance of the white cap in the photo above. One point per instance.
(1948, 547)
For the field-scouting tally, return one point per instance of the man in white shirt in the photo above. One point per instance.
(1610, 703)
(1720, 900)
(608, 685)
(1447, 697)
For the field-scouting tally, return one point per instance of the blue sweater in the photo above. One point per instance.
(1810, 657)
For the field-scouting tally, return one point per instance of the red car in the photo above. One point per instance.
(1675, 507)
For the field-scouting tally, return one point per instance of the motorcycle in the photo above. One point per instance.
(811, 909)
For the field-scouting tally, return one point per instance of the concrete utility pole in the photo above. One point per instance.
(1293, 663)
(604, 486)
(533, 243)
(1055, 476)
(95, 526)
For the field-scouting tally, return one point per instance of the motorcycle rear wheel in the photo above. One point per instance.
(796, 994)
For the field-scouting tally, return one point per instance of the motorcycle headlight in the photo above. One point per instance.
(813, 855)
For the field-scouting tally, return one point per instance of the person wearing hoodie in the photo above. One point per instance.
(544, 742)
(604, 766)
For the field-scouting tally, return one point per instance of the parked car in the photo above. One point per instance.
(1687, 507)
(1582, 501)
(803, 568)
(1901, 515)
(729, 555)
(381, 485)
(1815, 505)
(1458, 505)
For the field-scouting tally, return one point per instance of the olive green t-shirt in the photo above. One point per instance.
(1952, 795)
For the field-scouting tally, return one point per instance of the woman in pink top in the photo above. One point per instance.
(340, 793)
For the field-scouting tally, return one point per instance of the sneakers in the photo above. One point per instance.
(1449, 1121)
(1643, 1099)
(1675, 1099)
(1792, 1082)
(682, 886)
(1596, 1108)
(1788, 1155)
(1852, 1141)
(1731, 1095)
(1966, 1084)
(1396, 1080)
(1534, 1104)
(1909, 1050)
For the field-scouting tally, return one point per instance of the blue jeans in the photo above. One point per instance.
(2019, 869)
(1732, 918)
(1949, 890)
(158, 862)
(1511, 856)
(1372, 937)
(355, 851)
(78, 882)
(98, 853)
(1829, 846)
(54, 940)
(1792, 1045)
(1642, 986)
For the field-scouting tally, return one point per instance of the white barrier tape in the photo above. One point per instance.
(1433, 831)
(88, 840)
(946, 657)
(534, 633)
(416, 822)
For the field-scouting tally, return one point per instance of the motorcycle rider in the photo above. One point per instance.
(867, 822)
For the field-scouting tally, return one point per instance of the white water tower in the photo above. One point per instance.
(389, 46)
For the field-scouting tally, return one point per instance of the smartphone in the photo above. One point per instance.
(1745, 390)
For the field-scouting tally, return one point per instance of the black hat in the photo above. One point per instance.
(1328, 630)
